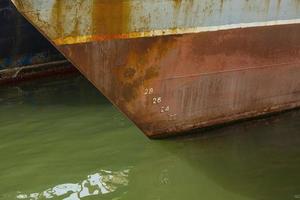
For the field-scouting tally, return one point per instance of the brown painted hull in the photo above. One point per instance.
(175, 83)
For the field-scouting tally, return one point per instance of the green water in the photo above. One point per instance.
(60, 139)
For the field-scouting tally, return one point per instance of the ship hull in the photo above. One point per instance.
(195, 80)
(17, 51)
(175, 82)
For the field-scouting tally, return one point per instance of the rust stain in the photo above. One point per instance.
(221, 5)
(278, 6)
(56, 18)
(177, 3)
(111, 17)
(105, 37)
(141, 67)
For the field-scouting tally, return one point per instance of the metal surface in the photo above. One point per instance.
(172, 65)
(37, 71)
(16, 41)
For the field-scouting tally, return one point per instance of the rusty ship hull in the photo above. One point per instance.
(172, 66)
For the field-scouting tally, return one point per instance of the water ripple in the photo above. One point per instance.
(100, 183)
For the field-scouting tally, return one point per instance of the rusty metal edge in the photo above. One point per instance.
(32, 72)
(228, 121)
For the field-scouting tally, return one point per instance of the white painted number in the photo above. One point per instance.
(149, 91)
(165, 109)
(157, 100)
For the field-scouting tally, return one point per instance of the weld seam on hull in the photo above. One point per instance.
(229, 71)
(257, 101)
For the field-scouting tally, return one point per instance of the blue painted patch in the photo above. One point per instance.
(16, 41)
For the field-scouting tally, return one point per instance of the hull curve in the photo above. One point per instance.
(169, 83)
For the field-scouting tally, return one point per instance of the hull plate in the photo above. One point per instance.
(174, 83)
(171, 70)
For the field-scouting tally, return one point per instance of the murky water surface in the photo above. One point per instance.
(60, 139)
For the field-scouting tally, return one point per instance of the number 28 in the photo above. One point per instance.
(148, 91)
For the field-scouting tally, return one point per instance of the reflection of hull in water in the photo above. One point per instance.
(172, 66)
(255, 160)
(17, 50)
